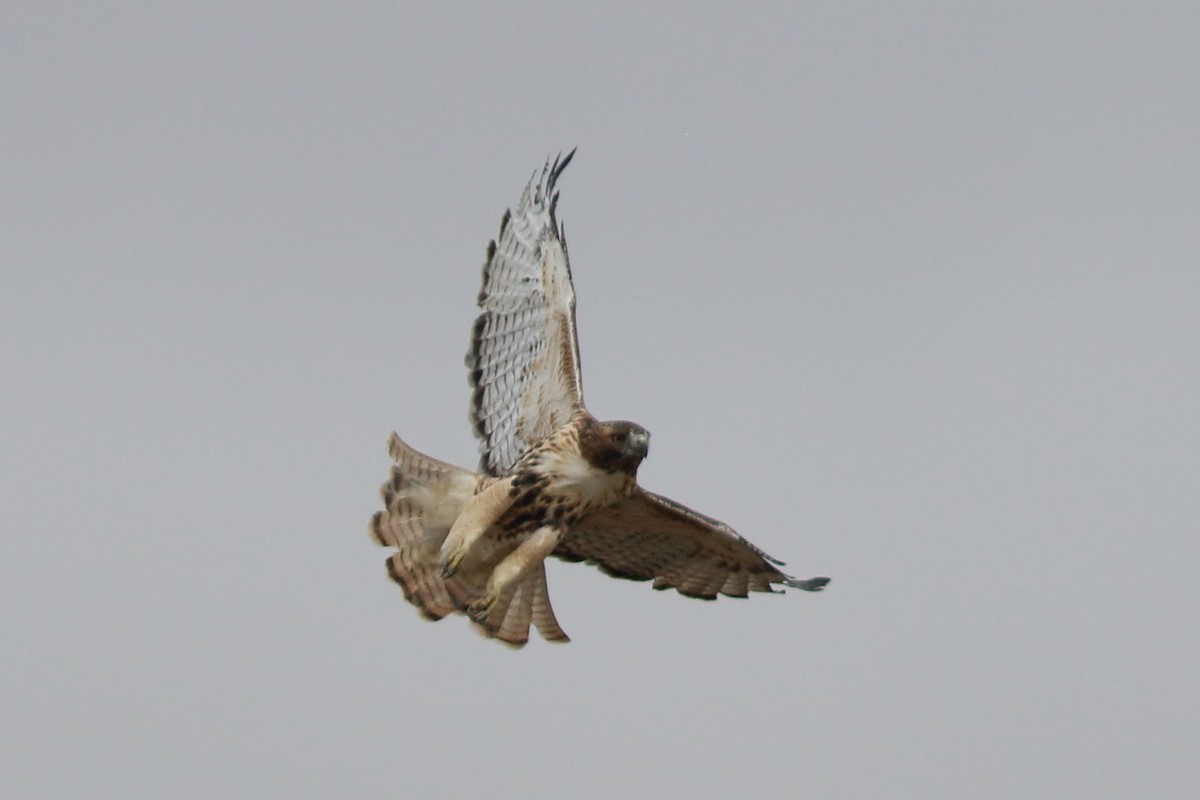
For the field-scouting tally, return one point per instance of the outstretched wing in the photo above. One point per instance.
(524, 357)
(650, 537)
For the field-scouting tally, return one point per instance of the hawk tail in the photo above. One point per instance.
(527, 602)
(421, 500)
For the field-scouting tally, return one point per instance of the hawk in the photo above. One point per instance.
(553, 480)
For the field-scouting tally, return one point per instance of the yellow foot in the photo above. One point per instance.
(453, 561)
(481, 609)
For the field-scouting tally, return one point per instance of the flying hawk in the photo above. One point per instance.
(553, 480)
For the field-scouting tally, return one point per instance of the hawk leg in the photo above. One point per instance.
(481, 513)
(511, 571)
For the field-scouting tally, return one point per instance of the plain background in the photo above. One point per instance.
(908, 293)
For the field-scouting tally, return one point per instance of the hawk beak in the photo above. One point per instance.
(639, 444)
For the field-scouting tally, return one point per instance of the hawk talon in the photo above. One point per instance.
(453, 562)
(481, 609)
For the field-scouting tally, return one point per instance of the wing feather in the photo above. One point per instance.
(650, 537)
(524, 357)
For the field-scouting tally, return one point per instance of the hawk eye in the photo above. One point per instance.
(619, 436)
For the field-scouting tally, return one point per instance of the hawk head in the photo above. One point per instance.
(616, 446)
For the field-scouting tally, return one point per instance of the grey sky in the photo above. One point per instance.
(907, 293)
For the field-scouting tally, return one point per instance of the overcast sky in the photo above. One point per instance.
(908, 293)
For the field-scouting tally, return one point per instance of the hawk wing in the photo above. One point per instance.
(648, 536)
(524, 357)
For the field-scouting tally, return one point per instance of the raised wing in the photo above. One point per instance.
(524, 357)
(650, 537)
